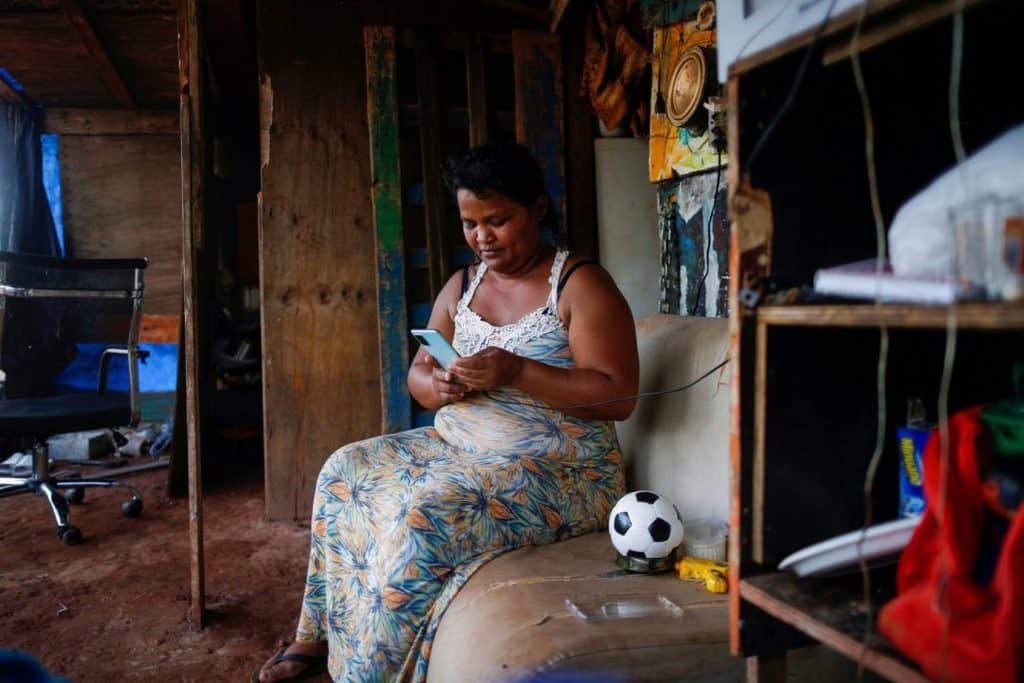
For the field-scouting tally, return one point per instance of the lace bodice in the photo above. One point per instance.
(473, 333)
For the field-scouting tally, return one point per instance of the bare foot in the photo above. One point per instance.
(287, 669)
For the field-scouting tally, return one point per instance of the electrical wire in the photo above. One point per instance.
(949, 357)
(883, 342)
(707, 238)
(646, 394)
(793, 89)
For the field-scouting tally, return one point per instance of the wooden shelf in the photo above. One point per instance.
(982, 316)
(886, 20)
(831, 611)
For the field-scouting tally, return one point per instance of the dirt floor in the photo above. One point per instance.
(115, 608)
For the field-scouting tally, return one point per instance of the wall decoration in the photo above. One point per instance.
(683, 77)
(615, 71)
(694, 278)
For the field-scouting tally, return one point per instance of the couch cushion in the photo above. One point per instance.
(511, 621)
(678, 444)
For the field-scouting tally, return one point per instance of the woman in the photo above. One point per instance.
(522, 451)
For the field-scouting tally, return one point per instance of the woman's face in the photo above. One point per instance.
(504, 233)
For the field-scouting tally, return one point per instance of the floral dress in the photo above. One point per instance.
(400, 522)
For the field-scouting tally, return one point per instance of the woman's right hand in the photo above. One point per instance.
(445, 383)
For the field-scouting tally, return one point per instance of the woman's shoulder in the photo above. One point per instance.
(582, 269)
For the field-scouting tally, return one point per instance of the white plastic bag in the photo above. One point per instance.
(920, 239)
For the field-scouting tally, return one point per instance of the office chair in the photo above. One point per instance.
(99, 300)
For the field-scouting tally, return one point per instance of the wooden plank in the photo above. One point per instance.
(321, 351)
(827, 610)
(760, 422)
(979, 316)
(382, 115)
(160, 329)
(476, 85)
(580, 178)
(901, 16)
(193, 166)
(9, 94)
(539, 109)
(143, 47)
(121, 199)
(767, 668)
(72, 121)
(43, 51)
(430, 159)
(108, 72)
(880, 32)
(736, 508)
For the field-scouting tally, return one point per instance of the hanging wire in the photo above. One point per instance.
(883, 346)
(794, 88)
(949, 357)
(631, 397)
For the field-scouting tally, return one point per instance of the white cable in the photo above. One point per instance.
(883, 346)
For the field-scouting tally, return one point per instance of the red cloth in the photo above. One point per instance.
(985, 636)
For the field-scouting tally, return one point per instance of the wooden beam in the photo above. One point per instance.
(430, 156)
(110, 122)
(476, 85)
(386, 186)
(892, 27)
(9, 94)
(193, 165)
(108, 72)
(318, 274)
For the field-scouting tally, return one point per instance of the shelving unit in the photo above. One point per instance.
(805, 400)
(830, 612)
(991, 316)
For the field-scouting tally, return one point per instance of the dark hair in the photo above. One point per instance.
(505, 168)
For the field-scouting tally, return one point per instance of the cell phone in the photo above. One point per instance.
(437, 346)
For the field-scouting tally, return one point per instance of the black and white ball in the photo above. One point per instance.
(645, 525)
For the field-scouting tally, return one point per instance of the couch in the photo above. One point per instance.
(510, 622)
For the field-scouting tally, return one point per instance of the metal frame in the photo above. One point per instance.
(131, 350)
(40, 481)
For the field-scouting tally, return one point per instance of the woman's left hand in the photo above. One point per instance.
(489, 369)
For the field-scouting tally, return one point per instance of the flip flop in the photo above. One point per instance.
(317, 664)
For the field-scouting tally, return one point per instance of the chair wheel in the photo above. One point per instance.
(75, 496)
(69, 535)
(132, 508)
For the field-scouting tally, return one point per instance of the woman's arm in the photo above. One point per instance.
(429, 384)
(602, 339)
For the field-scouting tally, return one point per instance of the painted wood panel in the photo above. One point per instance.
(382, 115)
(122, 198)
(680, 151)
(702, 268)
(321, 358)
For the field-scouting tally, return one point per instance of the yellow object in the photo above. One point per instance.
(712, 572)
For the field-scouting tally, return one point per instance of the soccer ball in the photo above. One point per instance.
(645, 527)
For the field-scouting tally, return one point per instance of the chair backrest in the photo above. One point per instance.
(47, 305)
(678, 444)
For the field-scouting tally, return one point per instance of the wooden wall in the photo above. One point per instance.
(122, 197)
(321, 365)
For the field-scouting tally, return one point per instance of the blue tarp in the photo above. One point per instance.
(159, 373)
